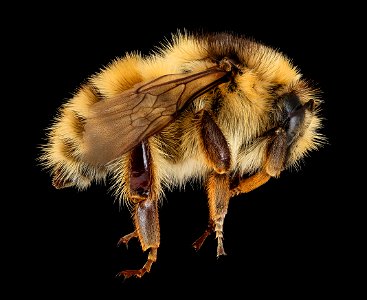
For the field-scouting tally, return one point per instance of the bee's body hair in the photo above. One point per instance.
(246, 108)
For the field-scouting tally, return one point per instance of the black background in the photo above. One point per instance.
(293, 236)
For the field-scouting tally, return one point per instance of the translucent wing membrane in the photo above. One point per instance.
(118, 124)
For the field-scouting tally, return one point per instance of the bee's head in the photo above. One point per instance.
(294, 129)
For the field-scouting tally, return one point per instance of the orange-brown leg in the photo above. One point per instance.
(248, 184)
(147, 231)
(273, 166)
(217, 153)
(126, 238)
(145, 213)
(218, 199)
(208, 231)
(219, 193)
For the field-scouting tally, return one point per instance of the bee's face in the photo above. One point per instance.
(291, 115)
(296, 113)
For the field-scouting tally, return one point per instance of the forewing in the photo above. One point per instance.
(116, 125)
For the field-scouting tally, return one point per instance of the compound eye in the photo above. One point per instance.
(296, 118)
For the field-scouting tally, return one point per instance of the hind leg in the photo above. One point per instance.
(147, 231)
(142, 193)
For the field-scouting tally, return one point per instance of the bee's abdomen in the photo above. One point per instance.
(64, 151)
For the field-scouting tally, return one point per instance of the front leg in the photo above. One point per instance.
(273, 164)
(217, 153)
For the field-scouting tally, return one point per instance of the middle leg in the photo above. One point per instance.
(218, 200)
(217, 153)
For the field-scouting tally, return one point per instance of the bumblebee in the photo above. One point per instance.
(220, 109)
